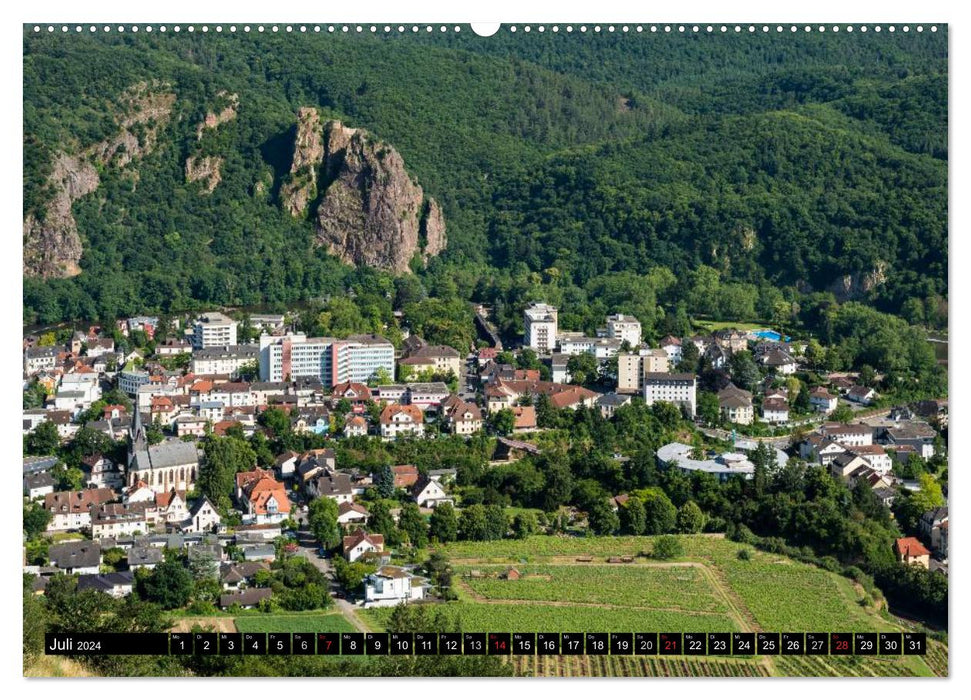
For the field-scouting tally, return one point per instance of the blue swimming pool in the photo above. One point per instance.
(770, 335)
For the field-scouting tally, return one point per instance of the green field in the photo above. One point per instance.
(296, 622)
(667, 587)
(519, 617)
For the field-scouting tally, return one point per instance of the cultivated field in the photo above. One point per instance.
(294, 622)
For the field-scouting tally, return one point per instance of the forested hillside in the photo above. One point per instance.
(732, 176)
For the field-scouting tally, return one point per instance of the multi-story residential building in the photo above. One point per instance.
(212, 330)
(676, 388)
(224, 359)
(601, 348)
(399, 420)
(437, 358)
(624, 328)
(632, 367)
(541, 327)
(358, 358)
(735, 405)
(39, 359)
(130, 379)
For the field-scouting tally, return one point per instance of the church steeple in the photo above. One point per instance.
(136, 433)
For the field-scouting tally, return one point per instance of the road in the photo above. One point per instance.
(307, 547)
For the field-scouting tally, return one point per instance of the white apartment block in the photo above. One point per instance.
(212, 330)
(541, 325)
(601, 348)
(225, 359)
(356, 359)
(676, 388)
(624, 328)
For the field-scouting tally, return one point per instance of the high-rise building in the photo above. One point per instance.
(625, 328)
(632, 368)
(212, 330)
(541, 325)
(358, 358)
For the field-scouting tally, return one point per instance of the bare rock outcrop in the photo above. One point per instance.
(300, 189)
(213, 119)
(51, 242)
(205, 169)
(859, 284)
(371, 210)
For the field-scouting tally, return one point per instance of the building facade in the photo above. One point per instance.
(359, 358)
(541, 327)
(213, 330)
(676, 388)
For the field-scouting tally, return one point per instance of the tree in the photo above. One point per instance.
(382, 521)
(169, 585)
(559, 483)
(350, 575)
(322, 518)
(659, 512)
(439, 570)
(524, 524)
(691, 519)
(503, 421)
(667, 547)
(497, 522)
(42, 440)
(36, 518)
(708, 407)
(633, 518)
(384, 481)
(763, 462)
(472, 523)
(841, 414)
(443, 525)
(689, 358)
(276, 420)
(602, 518)
(745, 373)
(930, 495)
(802, 403)
(224, 457)
(412, 523)
(582, 368)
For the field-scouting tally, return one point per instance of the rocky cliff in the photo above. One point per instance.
(859, 284)
(52, 244)
(308, 153)
(371, 212)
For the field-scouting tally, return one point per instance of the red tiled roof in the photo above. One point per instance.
(911, 547)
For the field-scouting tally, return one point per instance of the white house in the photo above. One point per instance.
(351, 514)
(360, 543)
(428, 493)
(391, 585)
(822, 400)
(203, 517)
(397, 420)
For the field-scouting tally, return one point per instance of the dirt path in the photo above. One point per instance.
(350, 614)
(737, 610)
(217, 624)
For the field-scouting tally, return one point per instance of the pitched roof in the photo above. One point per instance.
(404, 475)
(394, 409)
(248, 596)
(260, 487)
(76, 501)
(525, 417)
(75, 555)
(911, 547)
(353, 540)
(336, 484)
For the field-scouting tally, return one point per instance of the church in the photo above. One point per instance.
(172, 464)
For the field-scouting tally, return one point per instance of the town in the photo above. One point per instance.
(201, 470)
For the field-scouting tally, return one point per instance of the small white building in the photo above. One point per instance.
(391, 585)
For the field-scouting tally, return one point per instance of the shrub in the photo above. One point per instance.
(667, 547)
(744, 554)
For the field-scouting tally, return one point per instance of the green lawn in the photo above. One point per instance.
(294, 622)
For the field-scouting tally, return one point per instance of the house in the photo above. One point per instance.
(76, 557)
(735, 405)
(203, 517)
(264, 552)
(717, 355)
(355, 426)
(609, 403)
(916, 434)
(845, 464)
(247, 599)
(100, 471)
(909, 550)
(933, 410)
(397, 420)
(673, 348)
(405, 475)
(820, 449)
(235, 575)
(392, 585)
(71, 510)
(775, 410)
(352, 514)
(525, 418)
(732, 339)
(286, 463)
(38, 485)
(313, 463)
(145, 557)
(116, 584)
(823, 401)
(485, 355)
(335, 485)
(932, 524)
(311, 420)
(439, 359)
(357, 394)
(875, 456)
(462, 417)
(360, 544)
(779, 361)
(171, 507)
(118, 520)
(428, 493)
(848, 434)
(861, 395)
(262, 498)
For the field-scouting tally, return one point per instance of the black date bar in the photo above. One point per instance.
(86, 644)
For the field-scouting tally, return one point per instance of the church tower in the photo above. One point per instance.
(137, 442)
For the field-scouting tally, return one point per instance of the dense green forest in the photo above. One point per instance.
(733, 176)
